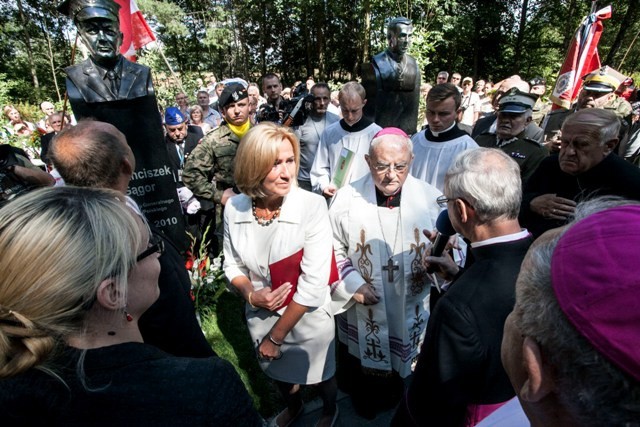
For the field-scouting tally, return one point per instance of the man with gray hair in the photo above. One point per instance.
(459, 378)
(586, 166)
(383, 294)
(570, 345)
(514, 116)
(442, 77)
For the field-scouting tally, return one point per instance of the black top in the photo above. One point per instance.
(129, 384)
(453, 133)
(361, 124)
(170, 323)
(459, 363)
(612, 176)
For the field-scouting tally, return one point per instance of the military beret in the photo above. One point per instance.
(232, 92)
(173, 116)
(516, 101)
(81, 10)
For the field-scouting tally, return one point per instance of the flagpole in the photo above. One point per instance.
(166, 61)
(628, 50)
(66, 94)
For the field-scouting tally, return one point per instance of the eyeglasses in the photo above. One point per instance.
(382, 168)
(443, 200)
(157, 246)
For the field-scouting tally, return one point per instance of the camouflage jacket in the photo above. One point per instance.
(208, 171)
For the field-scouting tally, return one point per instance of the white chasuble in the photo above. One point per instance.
(383, 247)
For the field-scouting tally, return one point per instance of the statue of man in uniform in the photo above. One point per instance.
(105, 75)
(112, 89)
(392, 81)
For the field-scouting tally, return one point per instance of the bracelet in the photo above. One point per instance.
(250, 303)
(274, 342)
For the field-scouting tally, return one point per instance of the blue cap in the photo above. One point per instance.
(173, 116)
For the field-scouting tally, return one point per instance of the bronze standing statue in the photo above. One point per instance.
(112, 89)
(392, 81)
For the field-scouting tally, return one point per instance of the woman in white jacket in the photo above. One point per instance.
(278, 255)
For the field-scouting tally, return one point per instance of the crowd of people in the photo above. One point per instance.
(327, 223)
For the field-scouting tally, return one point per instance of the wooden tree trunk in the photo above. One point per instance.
(622, 31)
(27, 41)
(520, 37)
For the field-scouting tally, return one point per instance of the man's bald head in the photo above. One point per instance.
(93, 154)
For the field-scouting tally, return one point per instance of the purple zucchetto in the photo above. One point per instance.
(596, 281)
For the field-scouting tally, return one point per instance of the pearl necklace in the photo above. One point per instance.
(263, 221)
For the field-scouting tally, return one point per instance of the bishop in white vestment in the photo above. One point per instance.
(383, 293)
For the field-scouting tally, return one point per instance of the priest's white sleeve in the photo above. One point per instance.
(350, 278)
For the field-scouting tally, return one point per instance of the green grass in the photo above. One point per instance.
(225, 327)
(226, 330)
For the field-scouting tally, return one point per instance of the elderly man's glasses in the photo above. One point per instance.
(443, 200)
(383, 168)
(156, 246)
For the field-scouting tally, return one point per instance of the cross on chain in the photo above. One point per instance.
(391, 265)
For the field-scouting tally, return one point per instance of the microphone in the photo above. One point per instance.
(445, 230)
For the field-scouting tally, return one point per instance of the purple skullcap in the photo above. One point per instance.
(390, 131)
(596, 280)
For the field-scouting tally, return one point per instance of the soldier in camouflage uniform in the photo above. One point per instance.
(597, 92)
(514, 115)
(208, 171)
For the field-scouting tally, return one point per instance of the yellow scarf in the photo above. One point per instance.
(240, 130)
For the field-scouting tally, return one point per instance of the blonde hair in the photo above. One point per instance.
(257, 154)
(77, 237)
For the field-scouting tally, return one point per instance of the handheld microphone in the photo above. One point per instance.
(445, 230)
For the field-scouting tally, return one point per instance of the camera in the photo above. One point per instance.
(292, 112)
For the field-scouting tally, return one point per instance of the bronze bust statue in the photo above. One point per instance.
(106, 75)
(112, 89)
(392, 81)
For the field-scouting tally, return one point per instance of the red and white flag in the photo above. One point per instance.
(581, 59)
(135, 30)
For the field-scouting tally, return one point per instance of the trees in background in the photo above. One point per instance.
(327, 39)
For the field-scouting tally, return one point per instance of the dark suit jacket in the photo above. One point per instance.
(613, 176)
(194, 135)
(85, 82)
(459, 363)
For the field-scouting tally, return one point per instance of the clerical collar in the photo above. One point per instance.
(361, 124)
(522, 234)
(390, 202)
(448, 134)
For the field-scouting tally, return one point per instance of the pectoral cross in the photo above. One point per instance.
(391, 265)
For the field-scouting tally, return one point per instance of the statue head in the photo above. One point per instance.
(399, 31)
(98, 24)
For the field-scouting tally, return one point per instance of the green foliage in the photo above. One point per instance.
(328, 39)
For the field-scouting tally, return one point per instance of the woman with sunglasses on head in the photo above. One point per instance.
(272, 229)
(78, 269)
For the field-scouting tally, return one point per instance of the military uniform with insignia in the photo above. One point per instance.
(602, 82)
(528, 153)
